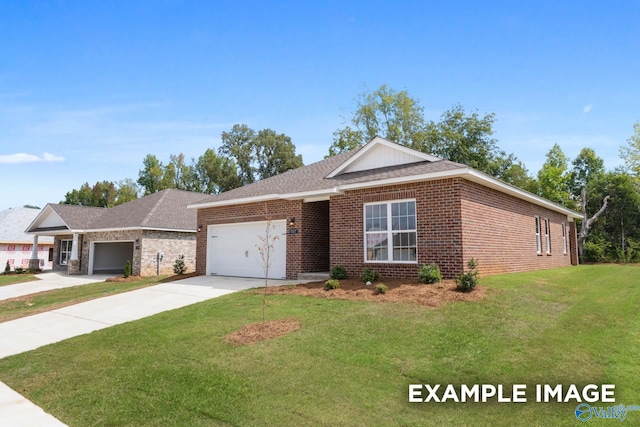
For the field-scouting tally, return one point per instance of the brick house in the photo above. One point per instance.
(386, 207)
(90, 240)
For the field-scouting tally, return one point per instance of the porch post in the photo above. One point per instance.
(73, 264)
(34, 262)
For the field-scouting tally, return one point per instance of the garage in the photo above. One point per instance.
(232, 249)
(110, 257)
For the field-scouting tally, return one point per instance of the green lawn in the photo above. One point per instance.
(11, 279)
(50, 300)
(351, 362)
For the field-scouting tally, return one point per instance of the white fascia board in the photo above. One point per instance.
(100, 230)
(243, 201)
(42, 213)
(327, 192)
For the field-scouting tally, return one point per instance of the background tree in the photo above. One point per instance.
(274, 153)
(238, 145)
(630, 154)
(259, 155)
(215, 174)
(150, 177)
(82, 196)
(127, 191)
(586, 167)
(458, 136)
(554, 177)
(384, 112)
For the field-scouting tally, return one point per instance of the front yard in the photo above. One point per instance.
(351, 362)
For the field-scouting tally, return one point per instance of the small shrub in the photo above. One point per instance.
(339, 273)
(19, 270)
(7, 268)
(429, 273)
(127, 269)
(369, 275)
(178, 267)
(381, 288)
(291, 286)
(331, 284)
(468, 280)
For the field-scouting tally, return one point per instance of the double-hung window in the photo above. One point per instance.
(65, 251)
(547, 235)
(564, 238)
(538, 237)
(390, 232)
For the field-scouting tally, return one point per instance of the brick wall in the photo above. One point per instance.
(439, 227)
(276, 209)
(110, 236)
(315, 238)
(56, 254)
(499, 231)
(172, 244)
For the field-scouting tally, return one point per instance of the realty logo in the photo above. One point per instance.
(584, 412)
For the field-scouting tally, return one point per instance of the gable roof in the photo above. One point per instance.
(365, 168)
(14, 221)
(164, 210)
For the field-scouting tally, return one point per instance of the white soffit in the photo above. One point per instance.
(380, 153)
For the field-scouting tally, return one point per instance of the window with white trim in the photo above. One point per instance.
(65, 251)
(547, 235)
(564, 238)
(538, 238)
(390, 232)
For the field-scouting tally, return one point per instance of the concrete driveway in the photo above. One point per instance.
(31, 332)
(47, 282)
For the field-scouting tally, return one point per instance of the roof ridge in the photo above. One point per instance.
(149, 214)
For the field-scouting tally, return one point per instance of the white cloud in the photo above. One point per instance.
(587, 108)
(29, 158)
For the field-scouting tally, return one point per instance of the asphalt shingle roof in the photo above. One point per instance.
(14, 221)
(166, 209)
(313, 177)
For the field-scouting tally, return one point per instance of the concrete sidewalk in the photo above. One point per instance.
(47, 282)
(31, 332)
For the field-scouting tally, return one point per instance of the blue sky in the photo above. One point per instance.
(88, 88)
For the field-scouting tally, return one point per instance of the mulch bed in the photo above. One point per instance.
(260, 331)
(400, 290)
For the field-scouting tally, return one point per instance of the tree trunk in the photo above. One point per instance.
(587, 223)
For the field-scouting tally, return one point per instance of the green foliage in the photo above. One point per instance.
(429, 273)
(369, 275)
(179, 267)
(381, 288)
(339, 273)
(215, 174)
(592, 252)
(7, 268)
(586, 167)
(468, 280)
(331, 284)
(554, 177)
(103, 194)
(259, 155)
(127, 269)
(19, 270)
(631, 153)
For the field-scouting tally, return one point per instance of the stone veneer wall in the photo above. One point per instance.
(110, 236)
(56, 255)
(172, 244)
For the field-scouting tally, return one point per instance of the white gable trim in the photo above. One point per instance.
(47, 218)
(351, 163)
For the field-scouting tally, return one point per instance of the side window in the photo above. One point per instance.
(564, 238)
(538, 238)
(547, 235)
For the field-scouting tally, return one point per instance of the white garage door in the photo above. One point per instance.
(232, 249)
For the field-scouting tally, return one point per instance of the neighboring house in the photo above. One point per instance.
(386, 207)
(151, 232)
(16, 247)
